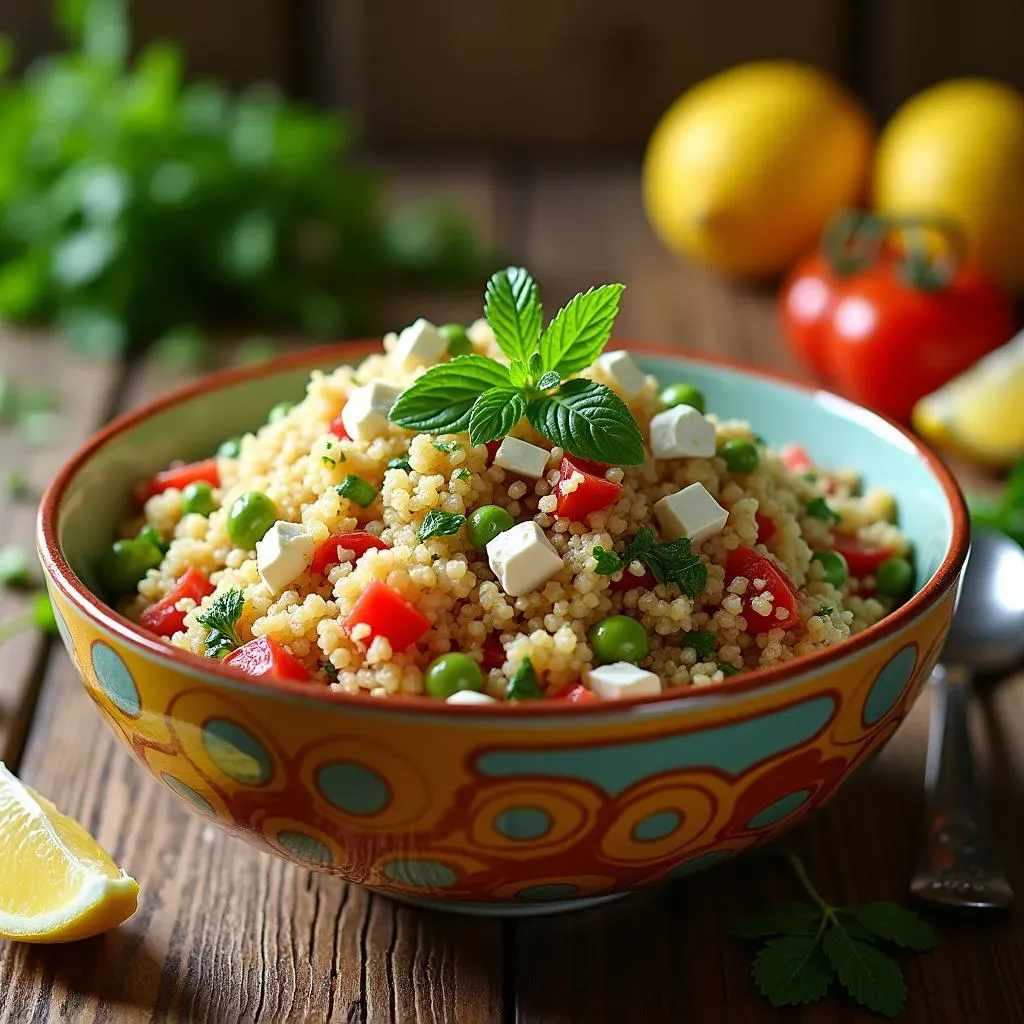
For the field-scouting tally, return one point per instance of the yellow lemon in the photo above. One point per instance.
(957, 150)
(56, 884)
(744, 170)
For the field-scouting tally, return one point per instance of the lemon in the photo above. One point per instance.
(978, 414)
(56, 884)
(957, 150)
(744, 170)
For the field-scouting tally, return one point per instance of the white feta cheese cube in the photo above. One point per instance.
(420, 344)
(470, 697)
(523, 559)
(628, 377)
(521, 457)
(283, 555)
(691, 512)
(682, 433)
(365, 414)
(621, 679)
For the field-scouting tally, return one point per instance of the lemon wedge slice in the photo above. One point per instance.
(56, 884)
(980, 414)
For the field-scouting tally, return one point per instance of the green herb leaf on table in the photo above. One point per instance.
(440, 524)
(869, 975)
(701, 640)
(523, 685)
(792, 970)
(440, 400)
(495, 413)
(221, 620)
(819, 508)
(580, 330)
(357, 490)
(39, 616)
(16, 485)
(895, 924)
(795, 918)
(13, 567)
(607, 561)
(513, 310)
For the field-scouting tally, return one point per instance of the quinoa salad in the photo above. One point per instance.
(504, 512)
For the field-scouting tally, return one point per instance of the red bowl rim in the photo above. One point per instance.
(74, 590)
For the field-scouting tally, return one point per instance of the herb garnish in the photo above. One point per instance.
(400, 464)
(523, 685)
(811, 945)
(446, 446)
(607, 561)
(329, 670)
(825, 610)
(462, 474)
(356, 489)
(728, 670)
(440, 524)
(487, 398)
(221, 620)
(671, 561)
(819, 508)
(701, 640)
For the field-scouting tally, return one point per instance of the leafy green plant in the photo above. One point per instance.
(133, 204)
(1005, 512)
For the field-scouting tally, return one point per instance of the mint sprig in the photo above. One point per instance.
(221, 622)
(670, 561)
(813, 944)
(486, 398)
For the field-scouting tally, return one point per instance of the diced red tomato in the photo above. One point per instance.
(180, 477)
(359, 542)
(629, 581)
(794, 457)
(766, 528)
(492, 449)
(389, 615)
(163, 618)
(575, 693)
(862, 559)
(751, 565)
(264, 656)
(593, 493)
(337, 428)
(494, 652)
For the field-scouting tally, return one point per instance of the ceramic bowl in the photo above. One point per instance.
(495, 809)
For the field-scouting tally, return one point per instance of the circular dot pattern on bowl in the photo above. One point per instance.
(890, 684)
(115, 680)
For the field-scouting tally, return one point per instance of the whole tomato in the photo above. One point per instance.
(805, 303)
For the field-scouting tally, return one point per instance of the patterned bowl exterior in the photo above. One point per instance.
(491, 810)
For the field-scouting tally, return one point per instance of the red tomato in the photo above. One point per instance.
(805, 303)
(575, 693)
(264, 656)
(494, 652)
(593, 493)
(751, 565)
(360, 542)
(889, 343)
(337, 428)
(862, 559)
(766, 528)
(492, 449)
(795, 458)
(389, 615)
(163, 618)
(180, 477)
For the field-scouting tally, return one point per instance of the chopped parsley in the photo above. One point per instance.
(523, 685)
(356, 489)
(400, 464)
(701, 640)
(607, 561)
(819, 508)
(668, 562)
(221, 621)
(329, 670)
(462, 474)
(440, 524)
(328, 461)
(447, 446)
(728, 670)
(825, 610)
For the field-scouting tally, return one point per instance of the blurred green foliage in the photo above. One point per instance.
(133, 204)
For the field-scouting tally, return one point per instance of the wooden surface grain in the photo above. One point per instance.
(226, 934)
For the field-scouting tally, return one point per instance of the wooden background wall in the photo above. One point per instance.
(543, 75)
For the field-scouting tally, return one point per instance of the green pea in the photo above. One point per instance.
(894, 576)
(249, 518)
(231, 448)
(682, 394)
(151, 535)
(451, 673)
(127, 562)
(457, 338)
(485, 523)
(280, 411)
(740, 456)
(619, 638)
(833, 565)
(198, 497)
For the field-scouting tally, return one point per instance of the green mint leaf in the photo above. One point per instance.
(589, 420)
(518, 374)
(728, 670)
(550, 379)
(358, 490)
(13, 567)
(536, 364)
(494, 414)
(523, 685)
(440, 400)
(580, 330)
(819, 508)
(703, 642)
(512, 308)
(792, 970)
(447, 447)
(642, 542)
(673, 562)
(895, 924)
(400, 464)
(220, 620)
(870, 976)
(607, 561)
(440, 524)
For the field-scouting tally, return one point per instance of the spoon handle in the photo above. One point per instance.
(958, 865)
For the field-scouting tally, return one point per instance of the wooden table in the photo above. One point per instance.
(224, 933)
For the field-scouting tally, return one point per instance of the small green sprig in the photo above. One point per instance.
(819, 508)
(671, 561)
(440, 524)
(523, 685)
(221, 622)
(478, 394)
(358, 490)
(701, 640)
(810, 945)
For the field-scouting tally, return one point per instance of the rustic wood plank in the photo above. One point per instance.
(82, 391)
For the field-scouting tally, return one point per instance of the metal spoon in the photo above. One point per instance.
(958, 865)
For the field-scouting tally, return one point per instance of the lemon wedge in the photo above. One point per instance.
(56, 884)
(980, 414)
